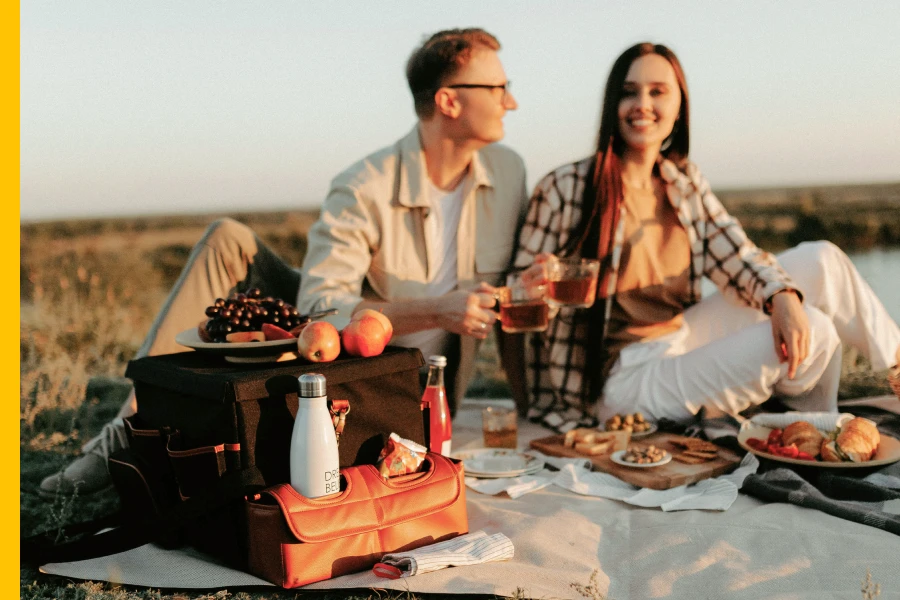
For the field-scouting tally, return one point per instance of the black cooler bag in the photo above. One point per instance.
(201, 418)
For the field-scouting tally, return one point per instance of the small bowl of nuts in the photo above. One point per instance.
(641, 456)
(632, 422)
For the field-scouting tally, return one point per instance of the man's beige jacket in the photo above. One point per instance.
(370, 243)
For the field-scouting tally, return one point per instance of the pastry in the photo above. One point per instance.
(804, 436)
(857, 442)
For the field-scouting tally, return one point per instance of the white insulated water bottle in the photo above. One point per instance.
(314, 450)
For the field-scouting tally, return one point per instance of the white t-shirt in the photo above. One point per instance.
(441, 225)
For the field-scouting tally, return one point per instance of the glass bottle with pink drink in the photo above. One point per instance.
(435, 410)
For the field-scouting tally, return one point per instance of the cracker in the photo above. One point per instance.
(691, 460)
(695, 444)
(699, 454)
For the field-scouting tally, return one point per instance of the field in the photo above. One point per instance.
(89, 291)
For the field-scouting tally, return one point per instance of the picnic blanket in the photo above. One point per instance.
(562, 540)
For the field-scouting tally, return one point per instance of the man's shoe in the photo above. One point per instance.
(89, 473)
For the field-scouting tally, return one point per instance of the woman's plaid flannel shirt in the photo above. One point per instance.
(720, 250)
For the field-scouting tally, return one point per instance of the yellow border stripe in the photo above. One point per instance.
(9, 238)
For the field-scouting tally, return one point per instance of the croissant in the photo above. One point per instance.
(857, 442)
(805, 436)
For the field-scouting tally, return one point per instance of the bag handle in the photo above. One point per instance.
(40, 549)
(339, 410)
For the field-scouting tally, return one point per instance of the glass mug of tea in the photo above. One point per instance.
(572, 282)
(523, 308)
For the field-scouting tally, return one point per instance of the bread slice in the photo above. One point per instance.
(593, 448)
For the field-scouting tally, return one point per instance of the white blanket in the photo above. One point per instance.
(753, 550)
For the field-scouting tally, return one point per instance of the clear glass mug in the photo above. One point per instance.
(572, 282)
(500, 427)
(523, 308)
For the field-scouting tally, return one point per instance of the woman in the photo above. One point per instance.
(649, 343)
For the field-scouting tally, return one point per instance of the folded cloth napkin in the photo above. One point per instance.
(514, 486)
(470, 549)
(519, 486)
(823, 421)
(710, 494)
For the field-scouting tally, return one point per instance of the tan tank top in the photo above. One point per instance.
(654, 274)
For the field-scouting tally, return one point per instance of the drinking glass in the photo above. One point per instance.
(523, 308)
(572, 282)
(500, 427)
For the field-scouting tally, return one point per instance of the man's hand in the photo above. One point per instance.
(790, 329)
(468, 312)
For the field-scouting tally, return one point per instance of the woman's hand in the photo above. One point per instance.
(536, 274)
(790, 329)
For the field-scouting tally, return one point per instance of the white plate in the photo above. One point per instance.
(269, 351)
(532, 471)
(498, 462)
(616, 457)
(888, 452)
(636, 436)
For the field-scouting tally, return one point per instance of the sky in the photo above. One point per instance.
(159, 107)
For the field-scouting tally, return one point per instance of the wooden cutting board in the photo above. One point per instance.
(663, 477)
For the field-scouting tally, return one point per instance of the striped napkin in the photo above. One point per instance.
(718, 493)
(470, 549)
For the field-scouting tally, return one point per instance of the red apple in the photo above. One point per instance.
(385, 322)
(295, 331)
(319, 341)
(364, 337)
(274, 332)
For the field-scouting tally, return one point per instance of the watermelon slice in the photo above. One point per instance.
(274, 332)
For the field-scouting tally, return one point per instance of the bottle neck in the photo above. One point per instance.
(435, 376)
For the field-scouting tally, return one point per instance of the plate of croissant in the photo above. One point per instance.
(857, 443)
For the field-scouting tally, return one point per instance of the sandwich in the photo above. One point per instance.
(805, 436)
(857, 442)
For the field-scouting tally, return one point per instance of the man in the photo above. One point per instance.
(420, 230)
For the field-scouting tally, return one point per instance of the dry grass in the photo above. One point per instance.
(89, 292)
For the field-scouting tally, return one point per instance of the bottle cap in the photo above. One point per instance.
(312, 385)
(436, 360)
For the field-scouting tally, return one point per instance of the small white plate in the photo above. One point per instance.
(616, 457)
(498, 462)
(531, 471)
(642, 434)
(238, 352)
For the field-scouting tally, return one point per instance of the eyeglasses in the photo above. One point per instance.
(472, 86)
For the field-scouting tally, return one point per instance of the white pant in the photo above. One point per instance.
(724, 355)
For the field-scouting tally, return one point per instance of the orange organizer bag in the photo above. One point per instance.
(293, 540)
